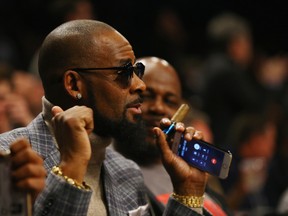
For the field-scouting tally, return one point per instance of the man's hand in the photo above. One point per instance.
(186, 179)
(27, 170)
(71, 129)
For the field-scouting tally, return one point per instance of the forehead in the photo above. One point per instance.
(115, 49)
(161, 78)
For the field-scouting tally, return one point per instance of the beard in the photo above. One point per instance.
(130, 138)
(132, 143)
(104, 126)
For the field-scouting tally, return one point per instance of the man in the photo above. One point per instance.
(162, 98)
(92, 93)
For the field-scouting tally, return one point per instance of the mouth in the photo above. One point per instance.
(135, 107)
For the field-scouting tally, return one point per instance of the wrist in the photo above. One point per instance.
(82, 186)
(189, 201)
(75, 170)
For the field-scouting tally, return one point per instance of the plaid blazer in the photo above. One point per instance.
(123, 182)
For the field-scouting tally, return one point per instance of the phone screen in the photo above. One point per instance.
(205, 156)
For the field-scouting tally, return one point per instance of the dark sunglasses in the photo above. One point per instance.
(125, 71)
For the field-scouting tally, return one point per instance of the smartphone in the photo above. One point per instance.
(203, 155)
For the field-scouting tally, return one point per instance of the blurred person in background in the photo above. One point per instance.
(253, 140)
(29, 86)
(14, 107)
(228, 88)
(270, 74)
(162, 98)
(271, 77)
(170, 40)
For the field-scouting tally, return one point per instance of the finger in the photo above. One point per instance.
(25, 156)
(30, 178)
(180, 127)
(198, 135)
(191, 132)
(161, 142)
(165, 122)
(19, 145)
(29, 171)
(32, 186)
(89, 123)
(56, 109)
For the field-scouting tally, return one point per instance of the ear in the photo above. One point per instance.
(73, 83)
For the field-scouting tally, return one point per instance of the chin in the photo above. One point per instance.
(150, 139)
(134, 119)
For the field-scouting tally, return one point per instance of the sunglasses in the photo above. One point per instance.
(125, 72)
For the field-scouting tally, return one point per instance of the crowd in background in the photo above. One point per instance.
(238, 84)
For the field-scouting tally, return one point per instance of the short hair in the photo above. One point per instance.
(66, 46)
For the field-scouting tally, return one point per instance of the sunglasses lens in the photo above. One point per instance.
(139, 69)
(128, 70)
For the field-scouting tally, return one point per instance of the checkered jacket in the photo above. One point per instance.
(123, 182)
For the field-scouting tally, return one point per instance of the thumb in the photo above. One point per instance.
(160, 139)
(56, 109)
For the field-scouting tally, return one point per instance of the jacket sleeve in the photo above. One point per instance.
(61, 199)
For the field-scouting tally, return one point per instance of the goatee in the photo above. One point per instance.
(131, 142)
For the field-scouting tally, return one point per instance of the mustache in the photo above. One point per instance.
(139, 100)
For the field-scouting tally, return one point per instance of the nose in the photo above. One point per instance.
(137, 84)
(158, 106)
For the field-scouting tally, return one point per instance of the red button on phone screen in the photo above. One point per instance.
(214, 161)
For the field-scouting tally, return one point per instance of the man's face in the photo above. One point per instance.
(161, 99)
(114, 98)
(162, 96)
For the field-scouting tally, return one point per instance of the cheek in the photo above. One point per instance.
(110, 103)
(145, 107)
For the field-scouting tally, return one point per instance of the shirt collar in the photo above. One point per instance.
(47, 114)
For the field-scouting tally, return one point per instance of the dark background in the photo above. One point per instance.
(26, 22)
